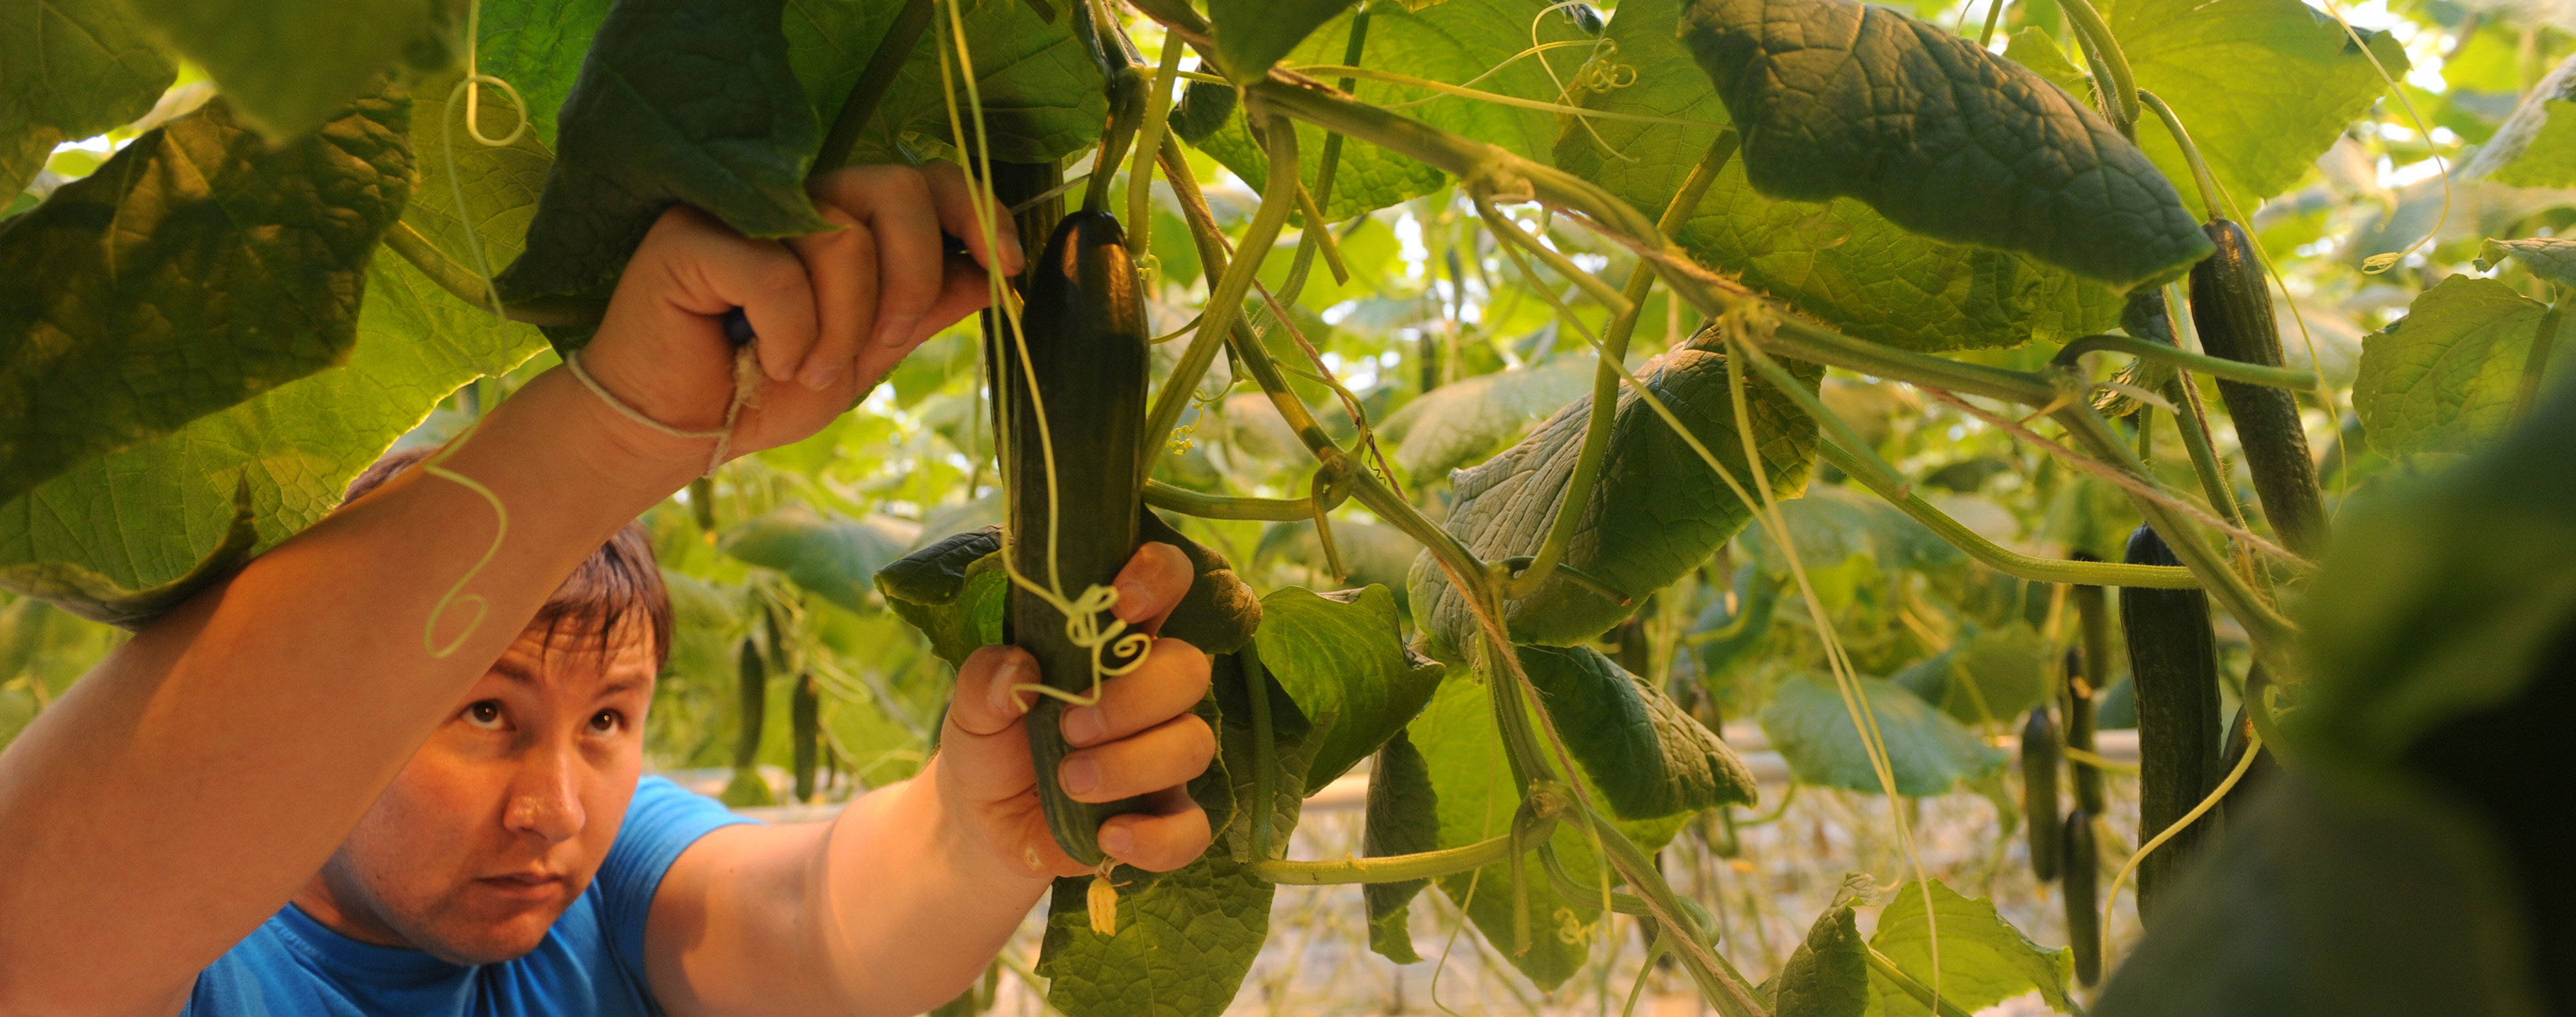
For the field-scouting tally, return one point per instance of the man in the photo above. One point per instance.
(343, 783)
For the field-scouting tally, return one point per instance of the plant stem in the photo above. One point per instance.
(1107, 44)
(1320, 238)
(2204, 457)
(2097, 37)
(875, 80)
(2218, 367)
(2209, 200)
(1387, 868)
(1149, 146)
(1887, 969)
(543, 312)
(1225, 299)
(1507, 231)
(1605, 378)
(2537, 363)
(1220, 506)
(2005, 560)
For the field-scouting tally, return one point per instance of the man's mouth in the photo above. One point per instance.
(525, 886)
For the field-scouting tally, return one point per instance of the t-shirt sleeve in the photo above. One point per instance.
(662, 821)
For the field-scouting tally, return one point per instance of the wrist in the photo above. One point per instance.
(603, 450)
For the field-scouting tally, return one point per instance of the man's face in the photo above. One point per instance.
(503, 816)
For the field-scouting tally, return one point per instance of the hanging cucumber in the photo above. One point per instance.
(2088, 672)
(2083, 911)
(804, 706)
(2039, 754)
(1075, 476)
(751, 690)
(2231, 305)
(2173, 666)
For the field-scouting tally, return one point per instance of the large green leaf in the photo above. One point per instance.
(69, 69)
(289, 65)
(1929, 752)
(498, 185)
(1462, 422)
(199, 267)
(2443, 378)
(537, 46)
(688, 102)
(2264, 86)
(1043, 97)
(1836, 98)
(1657, 513)
(834, 557)
(1984, 960)
(1342, 659)
(125, 536)
(1475, 800)
(1452, 42)
(1839, 260)
(1828, 974)
(1403, 819)
(1651, 759)
(1251, 35)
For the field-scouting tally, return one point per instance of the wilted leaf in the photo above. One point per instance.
(1651, 759)
(1657, 513)
(1837, 98)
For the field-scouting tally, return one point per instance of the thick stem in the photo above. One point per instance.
(1385, 869)
(543, 312)
(1225, 298)
(875, 80)
(2097, 37)
(1318, 237)
(2185, 396)
(1219, 506)
(2209, 201)
(1605, 378)
(1107, 43)
(1149, 146)
(2005, 560)
(2217, 367)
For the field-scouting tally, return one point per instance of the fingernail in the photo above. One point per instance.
(821, 376)
(1006, 702)
(1116, 839)
(1019, 256)
(892, 331)
(1080, 775)
(1083, 725)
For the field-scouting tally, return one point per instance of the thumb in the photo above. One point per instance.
(984, 704)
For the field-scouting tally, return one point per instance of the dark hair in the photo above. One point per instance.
(617, 586)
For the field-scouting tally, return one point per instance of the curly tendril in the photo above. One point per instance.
(456, 596)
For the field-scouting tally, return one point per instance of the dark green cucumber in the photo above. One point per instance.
(2083, 906)
(2039, 755)
(751, 701)
(804, 707)
(1085, 342)
(2088, 672)
(2173, 665)
(2231, 305)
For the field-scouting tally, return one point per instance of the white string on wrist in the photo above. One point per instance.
(746, 391)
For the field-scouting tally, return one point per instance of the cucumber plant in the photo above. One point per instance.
(253, 281)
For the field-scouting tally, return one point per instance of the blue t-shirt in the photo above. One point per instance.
(590, 963)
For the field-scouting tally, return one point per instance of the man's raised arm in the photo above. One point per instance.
(182, 792)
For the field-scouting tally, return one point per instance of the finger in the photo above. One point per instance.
(1172, 834)
(1165, 755)
(715, 270)
(954, 199)
(984, 703)
(842, 264)
(1157, 576)
(1173, 678)
(963, 291)
(895, 203)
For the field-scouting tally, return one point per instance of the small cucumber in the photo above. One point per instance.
(2039, 755)
(2173, 665)
(1085, 362)
(2083, 886)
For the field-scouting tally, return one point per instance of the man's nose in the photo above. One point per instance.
(545, 797)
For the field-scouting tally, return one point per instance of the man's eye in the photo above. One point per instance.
(608, 722)
(485, 714)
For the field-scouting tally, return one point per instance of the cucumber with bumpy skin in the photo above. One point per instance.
(2231, 306)
(2173, 666)
(1073, 527)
